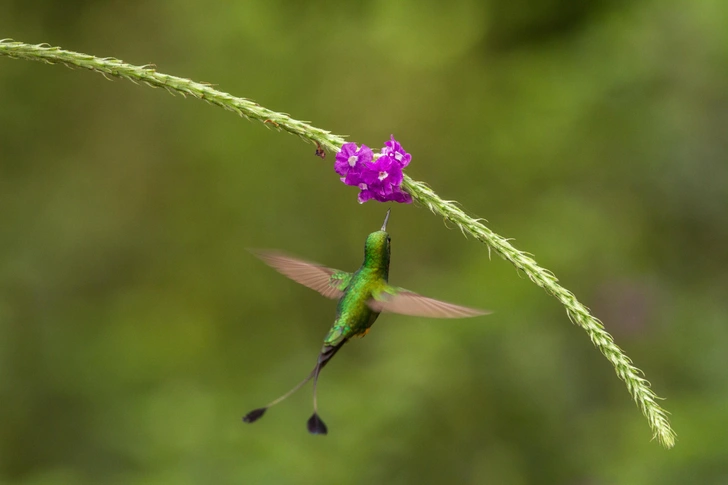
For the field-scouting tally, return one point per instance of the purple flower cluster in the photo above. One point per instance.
(378, 179)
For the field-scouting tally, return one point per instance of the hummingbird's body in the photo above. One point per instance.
(362, 296)
(354, 316)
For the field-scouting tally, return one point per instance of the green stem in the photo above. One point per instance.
(638, 387)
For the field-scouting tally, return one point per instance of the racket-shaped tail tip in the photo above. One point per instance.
(254, 415)
(316, 425)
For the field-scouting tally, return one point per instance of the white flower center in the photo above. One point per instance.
(383, 175)
(363, 186)
(398, 156)
(352, 160)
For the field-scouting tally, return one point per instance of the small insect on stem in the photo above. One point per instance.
(320, 150)
(272, 123)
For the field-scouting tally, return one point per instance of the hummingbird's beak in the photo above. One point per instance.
(386, 218)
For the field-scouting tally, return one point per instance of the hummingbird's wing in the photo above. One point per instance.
(405, 302)
(329, 282)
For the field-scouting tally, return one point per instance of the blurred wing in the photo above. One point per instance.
(329, 282)
(406, 302)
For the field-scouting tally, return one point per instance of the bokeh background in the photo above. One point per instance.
(135, 330)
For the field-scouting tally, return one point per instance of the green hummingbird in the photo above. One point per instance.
(362, 296)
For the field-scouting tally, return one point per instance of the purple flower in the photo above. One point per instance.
(396, 195)
(381, 180)
(393, 149)
(378, 179)
(384, 172)
(365, 194)
(401, 196)
(349, 162)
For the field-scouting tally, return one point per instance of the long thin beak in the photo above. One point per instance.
(386, 218)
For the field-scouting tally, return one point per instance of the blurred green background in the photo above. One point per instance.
(135, 330)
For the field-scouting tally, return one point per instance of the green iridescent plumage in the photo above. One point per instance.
(362, 296)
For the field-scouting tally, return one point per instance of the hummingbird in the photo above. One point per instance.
(361, 296)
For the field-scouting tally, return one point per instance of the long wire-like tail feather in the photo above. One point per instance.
(315, 424)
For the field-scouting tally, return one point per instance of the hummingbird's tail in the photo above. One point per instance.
(315, 425)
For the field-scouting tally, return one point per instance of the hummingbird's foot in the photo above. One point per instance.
(316, 425)
(254, 415)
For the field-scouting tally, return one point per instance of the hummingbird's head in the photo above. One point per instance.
(377, 247)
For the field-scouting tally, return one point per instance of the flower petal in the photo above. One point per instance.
(351, 157)
(393, 149)
(365, 154)
(402, 197)
(353, 177)
(366, 195)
